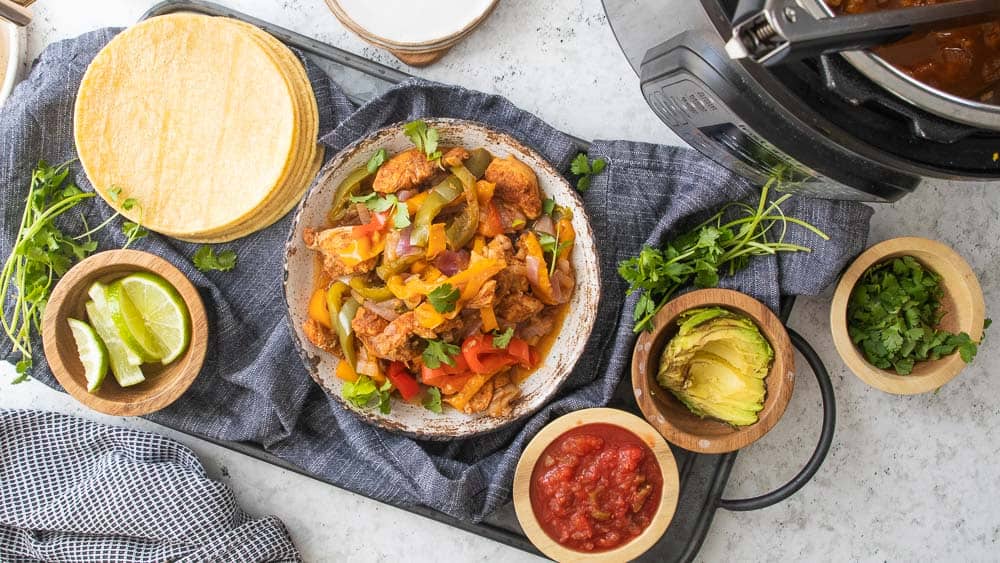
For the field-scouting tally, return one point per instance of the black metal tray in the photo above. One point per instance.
(702, 477)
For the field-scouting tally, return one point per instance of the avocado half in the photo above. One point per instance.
(716, 365)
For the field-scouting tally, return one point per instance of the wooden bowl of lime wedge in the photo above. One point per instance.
(125, 332)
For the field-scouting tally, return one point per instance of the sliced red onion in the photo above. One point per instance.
(451, 263)
(385, 309)
(403, 195)
(403, 246)
(544, 225)
(534, 265)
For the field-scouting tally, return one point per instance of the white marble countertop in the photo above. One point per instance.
(907, 478)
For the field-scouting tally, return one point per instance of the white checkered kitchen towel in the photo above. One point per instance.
(75, 490)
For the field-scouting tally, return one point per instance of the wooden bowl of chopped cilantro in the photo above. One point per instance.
(908, 315)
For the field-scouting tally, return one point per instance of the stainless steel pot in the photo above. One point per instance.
(943, 104)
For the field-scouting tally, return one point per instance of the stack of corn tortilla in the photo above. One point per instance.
(207, 127)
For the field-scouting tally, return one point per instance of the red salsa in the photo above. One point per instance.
(596, 487)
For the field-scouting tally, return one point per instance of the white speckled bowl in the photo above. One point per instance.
(13, 40)
(411, 419)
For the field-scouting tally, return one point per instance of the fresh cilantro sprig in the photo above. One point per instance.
(206, 260)
(424, 138)
(719, 245)
(41, 254)
(893, 315)
(376, 161)
(502, 339)
(432, 401)
(440, 352)
(401, 215)
(363, 391)
(443, 298)
(586, 169)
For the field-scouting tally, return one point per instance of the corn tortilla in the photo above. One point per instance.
(208, 125)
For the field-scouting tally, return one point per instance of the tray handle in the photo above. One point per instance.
(825, 437)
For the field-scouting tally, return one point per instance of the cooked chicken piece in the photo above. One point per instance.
(481, 400)
(404, 171)
(511, 218)
(396, 342)
(458, 329)
(538, 326)
(516, 184)
(454, 156)
(330, 243)
(517, 308)
(499, 248)
(504, 393)
(512, 280)
(367, 324)
(485, 297)
(322, 337)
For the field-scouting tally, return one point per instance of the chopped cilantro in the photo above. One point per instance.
(502, 340)
(206, 260)
(432, 401)
(440, 352)
(424, 138)
(586, 169)
(443, 298)
(376, 161)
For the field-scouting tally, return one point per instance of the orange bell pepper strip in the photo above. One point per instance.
(427, 317)
(318, 311)
(484, 191)
(469, 390)
(346, 372)
(542, 286)
(567, 236)
(490, 224)
(437, 241)
(413, 204)
(489, 318)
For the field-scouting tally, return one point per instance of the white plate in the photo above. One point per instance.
(412, 22)
(11, 57)
(537, 389)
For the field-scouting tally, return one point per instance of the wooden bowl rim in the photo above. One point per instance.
(189, 364)
(601, 415)
(774, 403)
(405, 46)
(959, 276)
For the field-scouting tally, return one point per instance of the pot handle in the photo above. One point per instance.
(825, 437)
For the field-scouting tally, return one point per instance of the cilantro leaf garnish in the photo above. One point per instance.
(440, 352)
(586, 169)
(432, 401)
(401, 215)
(384, 394)
(548, 206)
(360, 392)
(376, 161)
(363, 198)
(423, 137)
(443, 298)
(206, 260)
(502, 340)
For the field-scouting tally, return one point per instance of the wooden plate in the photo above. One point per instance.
(962, 304)
(529, 458)
(678, 424)
(164, 384)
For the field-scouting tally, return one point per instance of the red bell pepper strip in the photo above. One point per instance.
(402, 380)
(520, 350)
(483, 357)
(450, 379)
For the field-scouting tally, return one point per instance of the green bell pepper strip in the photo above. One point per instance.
(479, 159)
(371, 292)
(441, 195)
(342, 198)
(341, 314)
(463, 227)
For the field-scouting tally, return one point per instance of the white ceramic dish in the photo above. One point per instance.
(537, 389)
(413, 23)
(11, 57)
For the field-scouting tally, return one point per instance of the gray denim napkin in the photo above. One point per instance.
(253, 387)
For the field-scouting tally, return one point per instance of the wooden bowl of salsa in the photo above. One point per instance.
(596, 485)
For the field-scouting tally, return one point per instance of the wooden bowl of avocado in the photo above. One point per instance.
(716, 372)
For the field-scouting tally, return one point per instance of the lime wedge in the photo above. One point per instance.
(125, 372)
(93, 354)
(163, 310)
(98, 293)
(131, 325)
